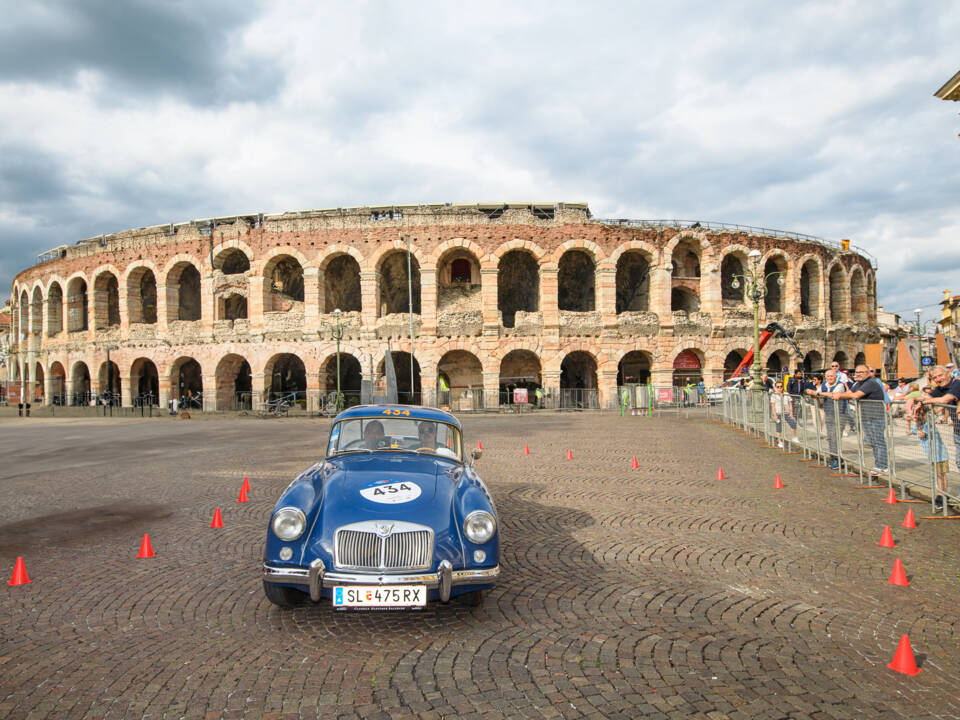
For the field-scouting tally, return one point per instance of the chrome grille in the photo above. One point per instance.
(361, 546)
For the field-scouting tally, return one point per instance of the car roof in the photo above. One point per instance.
(414, 412)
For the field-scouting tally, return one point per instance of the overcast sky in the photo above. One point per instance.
(816, 117)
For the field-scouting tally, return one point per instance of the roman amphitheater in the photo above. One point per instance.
(224, 313)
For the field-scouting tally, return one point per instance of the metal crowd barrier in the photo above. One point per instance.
(874, 444)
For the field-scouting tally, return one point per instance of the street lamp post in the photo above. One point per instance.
(110, 378)
(921, 329)
(338, 336)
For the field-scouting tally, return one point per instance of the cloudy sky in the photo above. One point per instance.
(817, 117)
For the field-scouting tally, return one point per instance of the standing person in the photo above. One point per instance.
(934, 447)
(781, 409)
(945, 392)
(796, 388)
(846, 407)
(953, 370)
(869, 394)
(766, 381)
(830, 412)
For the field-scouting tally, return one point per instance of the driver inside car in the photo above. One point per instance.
(373, 435)
(427, 432)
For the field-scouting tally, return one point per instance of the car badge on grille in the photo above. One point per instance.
(384, 530)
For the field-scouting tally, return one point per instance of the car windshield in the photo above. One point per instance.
(376, 433)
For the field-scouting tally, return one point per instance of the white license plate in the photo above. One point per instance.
(380, 596)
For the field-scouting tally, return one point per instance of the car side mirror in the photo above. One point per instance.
(476, 454)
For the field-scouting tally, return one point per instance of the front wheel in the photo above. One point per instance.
(281, 596)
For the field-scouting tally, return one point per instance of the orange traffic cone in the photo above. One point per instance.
(246, 483)
(720, 473)
(634, 465)
(526, 449)
(217, 519)
(778, 483)
(243, 496)
(19, 576)
(886, 539)
(479, 445)
(569, 454)
(891, 497)
(146, 549)
(908, 521)
(903, 660)
(898, 576)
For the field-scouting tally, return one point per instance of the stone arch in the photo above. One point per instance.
(577, 281)
(811, 285)
(285, 374)
(734, 262)
(335, 251)
(860, 359)
(234, 383)
(775, 261)
(454, 245)
(579, 371)
(24, 315)
(519, 368)
(183, 291)
(587, 247)
(633, 270)
(461, 370)
(843, 359)
(518, 284)
(839, 293)
(812, 361)
(732, 360)
(351, 377)
(58, 383)
(77, 300)
(341, 283)
(401, 363)
(778, 361)
(106, 299)
(634, 368)
(54, 309)
(141, 281)
(393, 294)
(539, 254)
(685, 299)
(186, 382)
(283, 282)
(144, 382)
(226, 260)
(108, 380)
(688, 365)
(36, 311)
(858, 295)
(80, 377)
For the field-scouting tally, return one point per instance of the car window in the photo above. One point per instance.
(386, 432)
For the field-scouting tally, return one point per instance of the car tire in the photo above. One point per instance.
(471, 599)
(281, 596)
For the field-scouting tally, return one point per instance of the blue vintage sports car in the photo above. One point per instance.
(394, 517)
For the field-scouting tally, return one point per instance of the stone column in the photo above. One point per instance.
(607, 300)
(208, 306)
(607, 386)
(48, 388)
(312, 298)
(163, 391)
(162, 298)
(488, 301)
(549, 285)
(126, 392)
(259, 382)
(711, 300)
(209, 393)
(314, 391)
(255, 309)
(662, 377)
(29, 375)
(428, 301)
(124, 307)
(368, 299)
(68, 388)
(661, 283)
(491, 389)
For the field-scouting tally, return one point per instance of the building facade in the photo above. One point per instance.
(223, 312)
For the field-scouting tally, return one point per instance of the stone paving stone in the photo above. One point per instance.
(656, 592)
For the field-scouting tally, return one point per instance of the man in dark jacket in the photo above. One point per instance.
(797, 386)
(869, 392)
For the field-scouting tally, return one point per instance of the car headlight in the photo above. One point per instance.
(479, 526)
(288, 523)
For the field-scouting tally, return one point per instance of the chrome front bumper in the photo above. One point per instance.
(315, 578)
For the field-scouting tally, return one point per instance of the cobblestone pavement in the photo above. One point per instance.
(658, 592)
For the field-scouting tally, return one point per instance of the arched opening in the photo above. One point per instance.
(183, 293)
(142, 296)
(871, 299)
(810, 289)
(54, 310)
(732, 361)
(633, 282)
(458, 290)
(24, 314)
(187, 381)
(842, 359)
(634, 368)
(838, 295)
(576, 282)
(858, 296)
(401, 364)
(80, 376)
(284, 276)
(58, 384)
(109, 382)
(106, 301)
(460, 380)
(519, 369)
(394, 295)
(144, 382)
(687, 368)
(685, 260)
(286, 376)
(76, 305)
(813, 362)
(36, 312)
(775, 282)
(685, 299)
(732, 285)
(234, 383)
(341, 285)
(351, 377)
(860, 359)
(232, 261)
(518, 285)
(578, 381)
(39, 385)
(778, 362)
(231, 306)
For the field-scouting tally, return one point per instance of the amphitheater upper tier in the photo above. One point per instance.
(223, 312)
